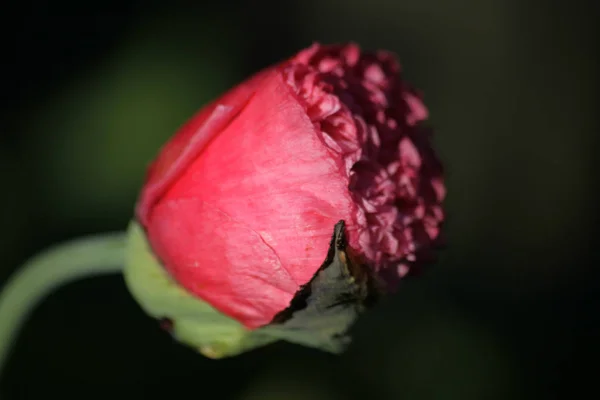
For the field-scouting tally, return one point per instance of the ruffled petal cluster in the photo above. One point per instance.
(367, 115)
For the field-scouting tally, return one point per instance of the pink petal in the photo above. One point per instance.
(269, 170)
(223, 261)
(190, 140)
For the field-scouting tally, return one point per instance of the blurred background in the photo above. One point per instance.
(92, 89)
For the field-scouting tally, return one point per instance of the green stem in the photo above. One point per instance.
(38, 277)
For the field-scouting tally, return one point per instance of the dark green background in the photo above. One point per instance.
(92, 89)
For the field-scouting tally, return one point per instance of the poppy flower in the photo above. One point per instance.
(319, 160)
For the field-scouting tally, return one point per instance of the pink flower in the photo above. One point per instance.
(241, 203)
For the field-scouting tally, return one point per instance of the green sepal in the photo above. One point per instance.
(319, 316)
(193, 321)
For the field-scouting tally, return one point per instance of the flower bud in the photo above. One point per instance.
(283, 208)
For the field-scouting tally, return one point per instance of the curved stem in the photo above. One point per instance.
(38, 277)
